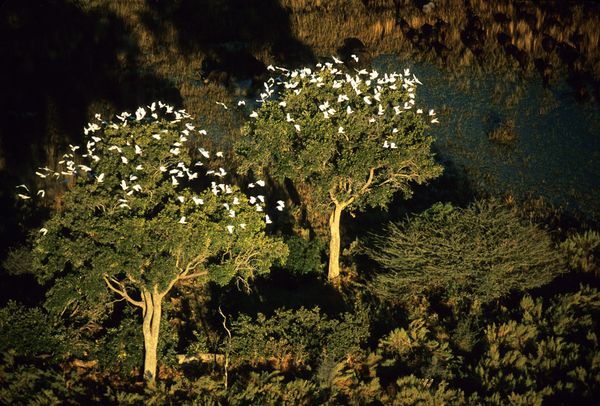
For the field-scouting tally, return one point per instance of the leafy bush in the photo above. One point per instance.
(28, 331)
(304, 256)
(583, 251)
(295, 339)
(474, 255)
(544, 354)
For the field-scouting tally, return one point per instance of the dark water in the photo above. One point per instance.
(556, 150)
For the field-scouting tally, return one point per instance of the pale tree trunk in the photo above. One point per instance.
(333, 273)
(151, 329)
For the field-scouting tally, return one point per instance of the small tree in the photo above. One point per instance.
(351, 140)
(132, 225)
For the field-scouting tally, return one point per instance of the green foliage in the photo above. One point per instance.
(29, 331)
(474, 255)
(583, 251)
(416, 349)
(318, 130)
(304, 256)
(410, 390)
(544, 354)
(23, 383)
(281, 342)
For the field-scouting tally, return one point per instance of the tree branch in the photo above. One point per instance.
(122, 292)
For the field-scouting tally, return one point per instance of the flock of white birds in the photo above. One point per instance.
(74, 164)
(96, 147)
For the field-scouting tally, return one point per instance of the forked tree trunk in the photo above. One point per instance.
(333, 273)
(151, 329)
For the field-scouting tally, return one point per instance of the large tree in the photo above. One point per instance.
(351, 139)
(147, 210)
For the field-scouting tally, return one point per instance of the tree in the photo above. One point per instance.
(350, 140)
(474, 255)
(132, 224)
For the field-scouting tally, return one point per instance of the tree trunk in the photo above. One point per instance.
(334, 245)
(151, 329)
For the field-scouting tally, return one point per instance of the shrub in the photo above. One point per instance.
(474, 255)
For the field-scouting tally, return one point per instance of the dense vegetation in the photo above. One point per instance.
(488, 302)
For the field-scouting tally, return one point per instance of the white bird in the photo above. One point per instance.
(124, 159)
(260, 183)
(354, 57)
(336, 60)
(280, 205)
(197, 200)
(140, 113)
(236, 201)
(230, 229)
(251, 185)
(137, 188)
(297, 127)
(349, 110)
(202, 132)
(139, 168)
(282, 104)
(100, 178)
(156, 136)
(341, 130)
(231, 213)
(41, 175)
(174, 151)
(252, 200)
(162, 168)
(393, 145)
(386, 144)
(367, 99)
(243, 225)
(288, 118)
(204, 152)
(138, 150)
(258, 207)
(24, 187)
(222, 104)
(41, 193)
(435, 120)
(219, 154)
(419, 111)
(174, 181)
(261, 198)
(254, 114)
(182, 220)
(181, 199)
(267, 219)
(431, 112)
(43, 231)
(241, 103)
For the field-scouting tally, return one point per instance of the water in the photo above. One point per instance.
(556, 152)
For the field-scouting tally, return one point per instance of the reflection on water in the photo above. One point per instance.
(555, 152)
